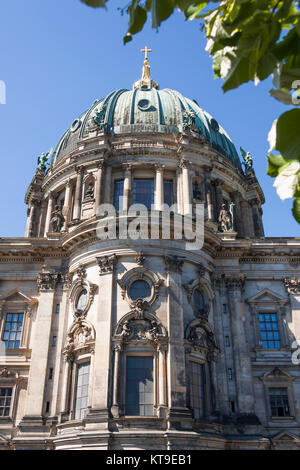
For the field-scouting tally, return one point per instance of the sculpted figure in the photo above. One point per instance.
(248, 160)
(57, 220)
(126, 330)
(225, 219)
(90, 191)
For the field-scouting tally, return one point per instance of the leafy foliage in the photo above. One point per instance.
(248, 40)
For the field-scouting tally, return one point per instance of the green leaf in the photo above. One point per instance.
(296, 209)
(160, 11)
(137, 18)
(95, 3)
(287, 134)
(127, 38)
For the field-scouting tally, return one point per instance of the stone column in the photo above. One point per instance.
(127, 187)
(162, 379)
(255, 217)
(159, 187)
(237, 213)
(32, 218)
(102, 356)
(209, 204)
(221, 367)
(78, 194)
(100, 169)
(241, 352)
(186, 187)
(49, 212)
(40, 341)
(219, 197)
(179, 191)
(108, 184)
(115, 405)
(177, 393)
(248, 228)
(67, 205)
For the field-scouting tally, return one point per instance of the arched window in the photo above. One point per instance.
(139, 290)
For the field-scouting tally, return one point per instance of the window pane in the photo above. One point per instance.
(118, 193)
(168, 192)
(279, 402)
(143, 192)
(139, 290)
(12, 330)
(82, 300)
(5, 401)
(139, 386)
(81, 401)
(197, 389)
(269, 330)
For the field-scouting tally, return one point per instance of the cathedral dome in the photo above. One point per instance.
(146, 109)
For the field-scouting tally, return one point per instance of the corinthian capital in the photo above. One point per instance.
(107, 263)
(47, 281)
(235, 281)
(174, 264)
(292, 285)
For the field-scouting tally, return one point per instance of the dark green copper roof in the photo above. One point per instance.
(146, 111)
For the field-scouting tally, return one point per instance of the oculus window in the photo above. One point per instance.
(139, 290)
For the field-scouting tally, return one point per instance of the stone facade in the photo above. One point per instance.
(73, 291)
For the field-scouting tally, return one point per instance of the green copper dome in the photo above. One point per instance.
(147, 110)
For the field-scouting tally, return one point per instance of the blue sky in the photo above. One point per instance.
(58, 56)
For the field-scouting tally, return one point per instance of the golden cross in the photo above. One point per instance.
(146, 50)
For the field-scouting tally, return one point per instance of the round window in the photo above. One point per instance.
(199, 300)
(75, 125)
(144, 104)
(82, 300)
(139, 290)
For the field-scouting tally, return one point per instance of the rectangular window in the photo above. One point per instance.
(82, 390)
(54, 341)
(227, 341)
(13, 330)
(269, 330)
(51, 373)
(5, 401)
(197, 380)
(143, 192)
(118, 193)
(57, 308)
(224, 308)
(229, 373)
(139, 386)
(279, 402)
(168, 193)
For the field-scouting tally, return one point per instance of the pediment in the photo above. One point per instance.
(285, 436)
(17, 296)
(266, 296)
(277, 373)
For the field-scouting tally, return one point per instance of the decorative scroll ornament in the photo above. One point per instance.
(80, 336)
(81, 272)
(5, 372)
(140, 259)
(292, 285)
(201, 338)
(139, 328)
(107, 263)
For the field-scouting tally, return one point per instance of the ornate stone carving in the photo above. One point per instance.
(47, 281)
(80, 336)
(5, 372)
(200, 335)
(292, 285)
(248, 160)
(201, 270)
(57, 220)
(140, 273)
(235, 282)
(140, 259)
(140, 327)
(89, 195)
(81, 272)
(225, 220)
(107, 263)
(188, 119)
(174, 264)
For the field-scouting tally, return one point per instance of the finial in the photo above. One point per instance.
(146, 81)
